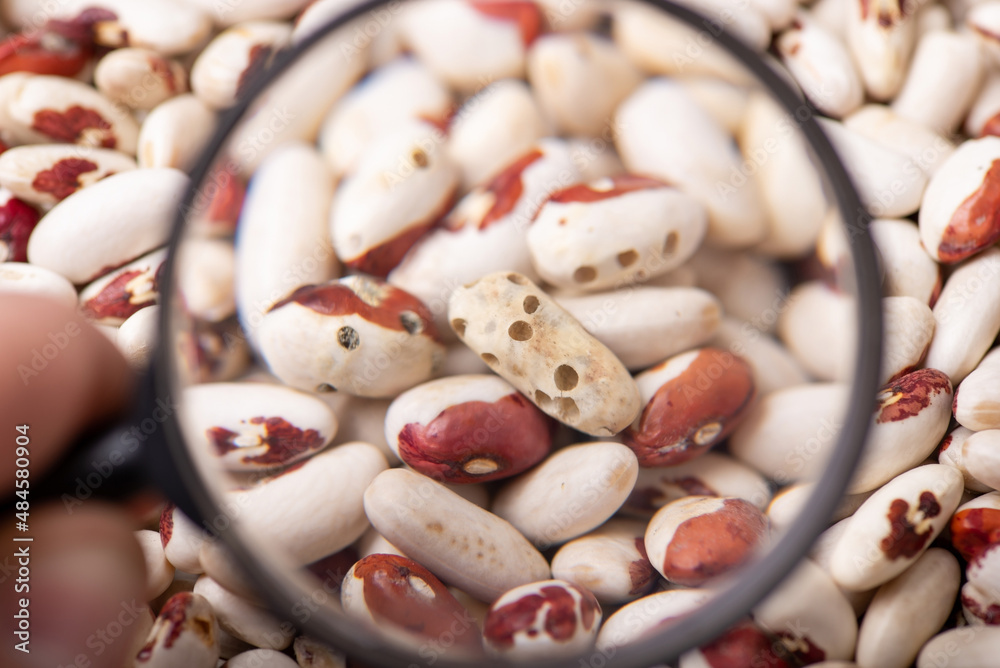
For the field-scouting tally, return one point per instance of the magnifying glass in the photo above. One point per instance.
(670, 134)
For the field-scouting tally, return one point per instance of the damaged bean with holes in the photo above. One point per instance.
(544, 352)
(614, 231)
(401, 187)
(358, 335)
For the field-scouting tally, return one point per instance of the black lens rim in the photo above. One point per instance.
(761, 577)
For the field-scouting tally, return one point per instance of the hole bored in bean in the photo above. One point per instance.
(542, 399)
(567, 408)
(628, 258)
(584, 274)
(566, 377)
(670, 243)
(520, 331)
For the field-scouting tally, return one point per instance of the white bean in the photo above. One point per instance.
(453, 538)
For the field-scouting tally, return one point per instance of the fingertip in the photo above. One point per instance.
(60, 375)
(84, 586)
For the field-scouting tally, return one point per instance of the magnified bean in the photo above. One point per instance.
(358, 335)
(402, 186)
(159, 572)
(485, 231)
(502, 34)
(711, 474)
(693, 401)
(393, 94)
(243, 618)
(292, 184)
(328, 518)
(311, 653)
(578, 239)
(785, 435)
(644, 325)
(640, 617)
(789, 185)
(579, 79)
(667, 135)
(696, 538)
(545, 353)
(774, 368)
(407, 604)
(453, 538)
(467, 429)
(573, 491)
(568, 615)
(610, 562)
(253, 426)
(969, 646)
(815, 326)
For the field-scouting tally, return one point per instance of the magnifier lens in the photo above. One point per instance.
(430, 141)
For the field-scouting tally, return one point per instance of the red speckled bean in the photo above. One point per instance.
(467, 429)
(17, 221)
(253, 426)
(542, 620)
(697, 538)
(408, 604)
(895, 526)
(693, 401)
